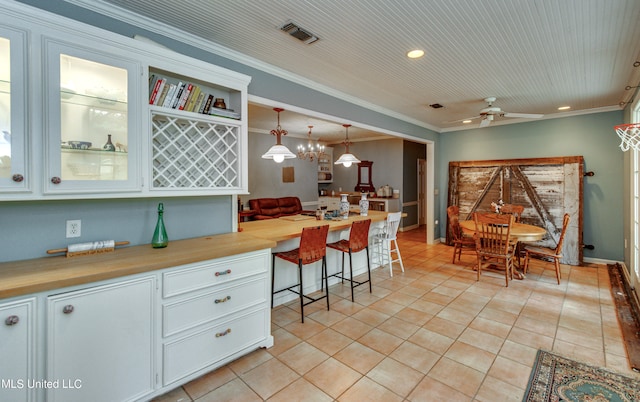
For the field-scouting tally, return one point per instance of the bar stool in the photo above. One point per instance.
(313, 247)
(358, 241)
(388, 238)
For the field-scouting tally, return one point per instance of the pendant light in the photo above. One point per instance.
(347, 158)
(278, 152)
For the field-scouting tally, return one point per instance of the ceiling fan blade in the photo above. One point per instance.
(485, 122)
(524, 115)
(459, 120)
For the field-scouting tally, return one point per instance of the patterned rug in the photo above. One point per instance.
(555, 378)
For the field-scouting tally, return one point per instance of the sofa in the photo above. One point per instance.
(270, 208)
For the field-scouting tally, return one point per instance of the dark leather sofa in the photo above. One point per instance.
(269, 208)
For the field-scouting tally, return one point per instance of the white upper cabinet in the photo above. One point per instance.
(14, 177)
(95, 127)
(92, 106)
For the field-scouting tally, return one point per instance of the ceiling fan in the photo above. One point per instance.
(489, 113)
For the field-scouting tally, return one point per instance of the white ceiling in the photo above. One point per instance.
(533, 55)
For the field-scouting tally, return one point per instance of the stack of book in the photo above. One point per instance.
(184, 96)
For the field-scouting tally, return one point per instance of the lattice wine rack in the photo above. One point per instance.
(191, 153)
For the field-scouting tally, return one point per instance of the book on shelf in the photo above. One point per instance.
(224, 113)
(176, 98)
(163, 94)
(152, 82)
(198, 104)
(207, 105)
(193, 97)
(170, 94)
(156, 88)
(184, 96)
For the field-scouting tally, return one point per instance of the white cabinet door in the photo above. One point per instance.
(100, 342)
(13, 128)
(17, 350)
(92, 120)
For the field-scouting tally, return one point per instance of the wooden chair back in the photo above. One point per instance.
(511, 209)
(565, 224)
(492, 233)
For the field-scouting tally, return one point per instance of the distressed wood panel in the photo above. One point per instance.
(547, 188)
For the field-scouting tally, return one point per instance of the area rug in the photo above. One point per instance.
(556, 378)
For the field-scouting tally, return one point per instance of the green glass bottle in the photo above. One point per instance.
(160, 238)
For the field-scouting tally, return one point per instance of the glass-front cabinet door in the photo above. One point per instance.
(13, 128)
(92, 137)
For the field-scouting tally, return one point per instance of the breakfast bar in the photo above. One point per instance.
(286, 232)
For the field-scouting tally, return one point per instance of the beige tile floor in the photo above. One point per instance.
(433, 333)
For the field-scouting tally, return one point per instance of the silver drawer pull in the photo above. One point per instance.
(12, 320)
(223, 300)
(228, 271)
(68, 309)
(219, 334)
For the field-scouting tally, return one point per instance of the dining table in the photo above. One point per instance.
(520, 232)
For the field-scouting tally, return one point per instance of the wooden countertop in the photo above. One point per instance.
(36, 275)
(283, 229)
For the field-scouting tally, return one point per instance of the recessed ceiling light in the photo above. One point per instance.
(564, 108)
(415, 54)
(466, 121)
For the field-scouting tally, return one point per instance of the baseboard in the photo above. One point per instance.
(600, 261)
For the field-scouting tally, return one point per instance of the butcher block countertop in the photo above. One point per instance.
(286, 228)
(19, 278)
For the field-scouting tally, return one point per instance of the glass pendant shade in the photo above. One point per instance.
(278, 152)
(347, 159)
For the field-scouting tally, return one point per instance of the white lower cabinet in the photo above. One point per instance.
(136, 337)
(214, 312)
(17, 350)
(100, 342)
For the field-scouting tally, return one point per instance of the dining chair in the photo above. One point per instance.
(461, 242)
(548, 253)
(386, 242)
(493, 242)
(358, 241)
(313, 247)
(515, 210)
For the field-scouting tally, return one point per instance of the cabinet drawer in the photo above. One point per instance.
(202, 349)
(188, 313)
(202, 275)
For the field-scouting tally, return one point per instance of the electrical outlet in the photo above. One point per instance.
(74, 228)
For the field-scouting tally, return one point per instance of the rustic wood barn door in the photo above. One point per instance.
(547, 187)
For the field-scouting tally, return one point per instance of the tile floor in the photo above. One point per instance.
(433, 333)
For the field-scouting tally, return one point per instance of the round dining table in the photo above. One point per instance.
(519, 231)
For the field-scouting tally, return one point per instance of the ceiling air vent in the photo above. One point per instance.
(436, 105)
(301, 34)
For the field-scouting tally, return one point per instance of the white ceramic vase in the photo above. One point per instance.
(364, 205)
(344, 206)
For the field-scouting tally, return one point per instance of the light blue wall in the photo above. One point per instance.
(591, 136)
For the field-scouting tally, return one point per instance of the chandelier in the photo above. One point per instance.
(347, 158)
(278, 152)
(311, 151)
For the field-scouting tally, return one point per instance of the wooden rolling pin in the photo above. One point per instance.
(89, 248)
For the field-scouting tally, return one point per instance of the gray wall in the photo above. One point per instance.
(591, 136)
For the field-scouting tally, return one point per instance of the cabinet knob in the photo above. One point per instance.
(17, 177)
(223, 333)
(228, 271)
(56, 180)
(68, 309)
(12, 320)
(223, 300)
